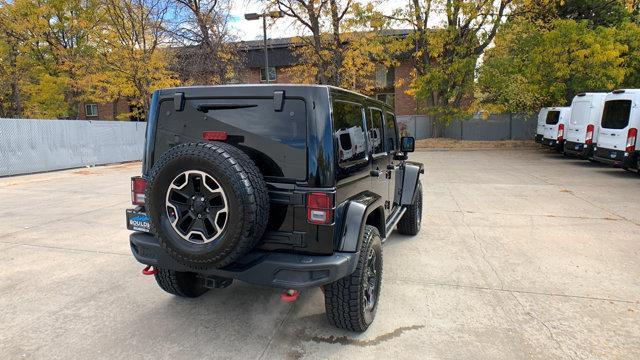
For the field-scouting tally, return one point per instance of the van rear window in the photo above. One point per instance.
(553, 117)
(616, 114)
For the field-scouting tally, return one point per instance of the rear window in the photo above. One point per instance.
(553, 117)
(274, 140)
(616, 114)
(580, 112)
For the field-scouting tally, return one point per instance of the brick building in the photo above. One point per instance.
(281, 56)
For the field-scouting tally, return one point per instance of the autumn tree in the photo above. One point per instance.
(132, 59)
(341, 42)
(206, 52)
(48, 43)
(10, 72)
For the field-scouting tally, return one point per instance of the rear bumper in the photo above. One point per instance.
(584, 151)
(553, 143)
(288, 271)
(616, 157)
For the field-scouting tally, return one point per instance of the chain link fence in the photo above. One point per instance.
(30, 145)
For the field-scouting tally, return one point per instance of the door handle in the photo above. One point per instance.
(375, 173)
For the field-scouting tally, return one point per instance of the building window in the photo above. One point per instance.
(385, 77)
(388, 98)
(91, 109)
(272, 74)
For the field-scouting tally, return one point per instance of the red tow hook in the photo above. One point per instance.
(290, 296)
(149, 270)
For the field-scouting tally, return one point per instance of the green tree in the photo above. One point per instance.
(445, 57)
(530, 67)
(605, 13)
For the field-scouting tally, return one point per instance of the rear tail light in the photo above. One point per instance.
(560, 132)
(319, 208)
(589, 137)
(138, 186)
(631, 140)
(214, 135)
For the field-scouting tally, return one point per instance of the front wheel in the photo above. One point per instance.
(412, 218)
(183, 284)
(352, 301)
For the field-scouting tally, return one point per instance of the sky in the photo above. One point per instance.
(283, 27)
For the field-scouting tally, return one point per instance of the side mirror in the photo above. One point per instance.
(407, 144)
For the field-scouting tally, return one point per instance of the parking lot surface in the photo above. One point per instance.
(523, 254)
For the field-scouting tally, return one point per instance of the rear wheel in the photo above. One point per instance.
(183, 284)
(352, 301)
(412, 218)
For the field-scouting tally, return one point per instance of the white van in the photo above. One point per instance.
(555, 123)
(581, 134)
(542, 117)
(619, 129)
(351, 142)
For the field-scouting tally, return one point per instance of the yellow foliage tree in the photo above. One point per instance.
(130, 57)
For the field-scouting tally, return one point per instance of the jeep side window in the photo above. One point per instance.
(375, 131)
(349, 132)
(391, 133)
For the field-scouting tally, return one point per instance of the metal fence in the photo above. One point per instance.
(496, 127)
(28, 146)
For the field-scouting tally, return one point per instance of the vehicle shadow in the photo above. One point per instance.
(620, 173)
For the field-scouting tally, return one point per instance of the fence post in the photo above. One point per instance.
(510, 126)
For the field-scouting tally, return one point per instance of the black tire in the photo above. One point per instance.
(246, 196)
(183, 284)
(412, 218)
(344, 300)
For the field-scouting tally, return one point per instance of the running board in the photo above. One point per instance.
(393, 221)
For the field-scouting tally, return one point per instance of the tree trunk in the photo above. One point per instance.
(337, 44)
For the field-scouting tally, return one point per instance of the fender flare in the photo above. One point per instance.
(410, 180)
(355, 213)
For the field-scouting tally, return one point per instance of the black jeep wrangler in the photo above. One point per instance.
(288, 186)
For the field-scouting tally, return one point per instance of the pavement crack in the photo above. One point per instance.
(538, 320)
(528, 292)
(62, 248)
(480, 244)
(605, 209)
(275, 332)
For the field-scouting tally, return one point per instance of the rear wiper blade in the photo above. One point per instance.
(207, 107)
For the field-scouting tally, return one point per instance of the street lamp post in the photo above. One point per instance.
(264, 16)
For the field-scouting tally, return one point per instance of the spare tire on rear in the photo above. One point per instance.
(207, 204)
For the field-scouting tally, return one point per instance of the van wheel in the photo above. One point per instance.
(412, 218)
(352, 301)
(183, 284)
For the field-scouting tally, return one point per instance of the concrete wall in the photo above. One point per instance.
(496, 127)
(28, 146)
